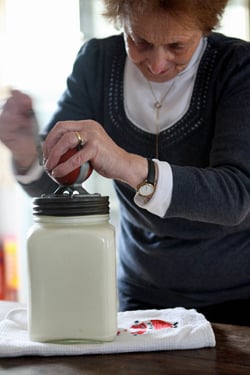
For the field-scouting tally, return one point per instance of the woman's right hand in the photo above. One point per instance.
(105, 156)
(16, 129)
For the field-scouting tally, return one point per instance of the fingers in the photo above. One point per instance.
(62, 133)
(65, 136)
(18, 102)
(69, 161)
(80, 140)
(15, 118)
(70, 134)
(61, 138)
(15, 112)
(92, 144)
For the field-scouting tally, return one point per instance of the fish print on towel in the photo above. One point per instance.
(148, 326)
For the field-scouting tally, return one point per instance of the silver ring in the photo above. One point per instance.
(79, 139)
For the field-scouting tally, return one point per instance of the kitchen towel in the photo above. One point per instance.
(138, 331)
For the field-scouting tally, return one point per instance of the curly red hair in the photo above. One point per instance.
(205, 14)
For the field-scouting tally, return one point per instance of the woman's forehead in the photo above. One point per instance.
(160, 28)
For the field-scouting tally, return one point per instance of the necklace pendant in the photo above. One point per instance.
(157, 105)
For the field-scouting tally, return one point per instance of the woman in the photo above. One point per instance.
(163, 110)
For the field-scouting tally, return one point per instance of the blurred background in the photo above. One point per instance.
(39, 40)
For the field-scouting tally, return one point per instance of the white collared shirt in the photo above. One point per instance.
(139, 106)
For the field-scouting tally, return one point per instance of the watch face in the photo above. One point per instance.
(146, 190)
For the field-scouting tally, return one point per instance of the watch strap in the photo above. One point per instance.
(150, 179)
(151, 172)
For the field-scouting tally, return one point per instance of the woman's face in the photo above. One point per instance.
(160, 45)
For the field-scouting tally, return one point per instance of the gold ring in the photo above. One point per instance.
(80, 140)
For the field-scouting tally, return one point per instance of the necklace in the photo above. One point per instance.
(157, 106)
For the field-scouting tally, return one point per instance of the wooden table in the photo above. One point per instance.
(231, 356)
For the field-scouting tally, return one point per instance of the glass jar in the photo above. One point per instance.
(72, 294)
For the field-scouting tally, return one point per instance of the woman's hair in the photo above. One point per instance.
(205, 14)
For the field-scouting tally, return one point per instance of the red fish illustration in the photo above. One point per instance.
(140, 328)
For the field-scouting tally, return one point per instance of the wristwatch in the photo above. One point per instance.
(147, 187)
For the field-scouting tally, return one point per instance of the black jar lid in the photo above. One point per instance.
(66, 201)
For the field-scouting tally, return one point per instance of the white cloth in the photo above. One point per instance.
(168, 329)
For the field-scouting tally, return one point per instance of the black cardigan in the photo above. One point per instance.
(199, 253)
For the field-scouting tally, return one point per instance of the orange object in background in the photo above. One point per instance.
(11, 277)
(2, 276)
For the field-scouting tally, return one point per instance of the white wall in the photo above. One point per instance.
(236, 19)
(41, 40)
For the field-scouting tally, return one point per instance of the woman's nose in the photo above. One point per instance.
(158, 60)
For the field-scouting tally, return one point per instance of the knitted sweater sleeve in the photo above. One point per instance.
(220, 192)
